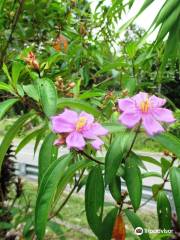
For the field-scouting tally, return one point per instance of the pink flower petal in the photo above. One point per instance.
(126, 104)
(163, 115)
(156, 101)
(97, 143)
(140, 97)
(98, 129)
(64, 122)
(75, 140)
(69, 116)
(90, 118)
(151, 126)
(94, 130)
(130, 119)
(59, 125)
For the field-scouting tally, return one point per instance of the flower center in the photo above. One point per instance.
(81, 123)
(144, 106)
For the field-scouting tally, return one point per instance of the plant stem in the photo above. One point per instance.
(162, 185)
(14, 24)
(90, 157)
(133, 141)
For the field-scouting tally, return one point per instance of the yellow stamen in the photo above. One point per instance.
(144, 106)
(81, 123)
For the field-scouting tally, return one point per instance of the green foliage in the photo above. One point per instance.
(6, 105)
(136, 223)
(175, 178)
(115, 154)
(68, 54)
(47, 154)
(7, 140)
(133, 181)
(46, 192)
(164, 211)
(94, 200)
(48, 96)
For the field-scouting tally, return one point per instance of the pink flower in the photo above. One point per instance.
(146, 109)
(74, 129)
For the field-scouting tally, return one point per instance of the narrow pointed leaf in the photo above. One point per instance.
(94, 200)
(133, 180)
(48, 153)
(175, 185)
(48, 96)
(164, 211)
(11, 133)
(115, 154)
(137, 223)
(6, 105)
(46, 193)
(108, 224)
(169, 142)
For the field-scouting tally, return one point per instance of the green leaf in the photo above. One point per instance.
(46, 193)
(138, 160)
(47, 154)
(5, 69)
(155, 190)
(151, 174)
(115, 154)
(17, 67)
(20, 90)
(27, 139)
(5, 226)
(168, 24)
(150, 160)
(6, 105)
(11, 133)
(57, 229)
(6, 87)
(2, 5)
(175, 185)
(90, 94)
(165, 165)
(31, 91)
(164, 211)
(48, 96)
(133, 181)
(94, 200)
(170, 142)
(136, 223)
(108, 224)
(79, 105)
(115, 189)
(173, 39)
(165, 11)
(114, 127)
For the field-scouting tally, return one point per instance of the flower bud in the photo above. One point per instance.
(71, 84)
(32, 61)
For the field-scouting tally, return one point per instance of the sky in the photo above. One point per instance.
(145, 19)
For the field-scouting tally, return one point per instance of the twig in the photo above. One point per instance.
(133, 141)
(162, 185)
(14, 23)
(90, 157)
